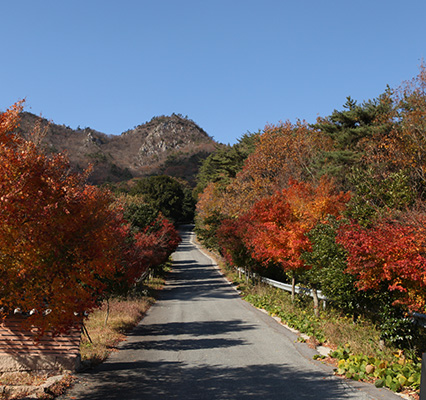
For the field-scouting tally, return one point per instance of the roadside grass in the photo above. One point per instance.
(103, 336)
(107, 326)
(331, 328)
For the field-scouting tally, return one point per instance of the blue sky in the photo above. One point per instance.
(232, 66)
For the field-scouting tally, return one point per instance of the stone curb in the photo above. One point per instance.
(30, 391)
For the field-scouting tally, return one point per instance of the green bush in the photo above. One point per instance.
(396, 373)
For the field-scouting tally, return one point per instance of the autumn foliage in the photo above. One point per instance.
(362, 168)
(283, 152)
(280, 222)
(390, 254)
(61, 241)
(153, 244)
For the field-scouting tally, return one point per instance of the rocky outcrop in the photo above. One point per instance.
(167, 144)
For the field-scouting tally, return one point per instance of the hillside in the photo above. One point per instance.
(171, 145)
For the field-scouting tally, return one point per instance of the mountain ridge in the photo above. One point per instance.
(172, 145)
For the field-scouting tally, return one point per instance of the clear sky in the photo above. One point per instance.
(232, 66)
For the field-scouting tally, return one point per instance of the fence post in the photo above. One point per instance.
(423, 378)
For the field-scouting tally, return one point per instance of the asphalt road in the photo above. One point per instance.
(201, 341)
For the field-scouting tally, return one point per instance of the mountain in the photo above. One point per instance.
(171, 145)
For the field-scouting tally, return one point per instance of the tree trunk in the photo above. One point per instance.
(293, 286)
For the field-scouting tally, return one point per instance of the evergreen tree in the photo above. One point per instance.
(167, 195)
(224, 164)
(349, 131)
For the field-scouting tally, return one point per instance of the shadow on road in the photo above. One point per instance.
(194, 328)
(172, 340)
(169, 380)
(192, 281)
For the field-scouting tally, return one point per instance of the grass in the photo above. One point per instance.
(330, 328)
(107, 326)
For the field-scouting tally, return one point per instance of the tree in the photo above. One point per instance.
(410, 131)
(390, 254)
(349, 130)
(283, 152)
(167, 195)
(209, 215)
(136, 211)
(60, 239)
(374, 197)
(280, 223)
(216, 173)
(327, 261)
(402, 147)
(150, 227)
(232, 239)
(223, 165)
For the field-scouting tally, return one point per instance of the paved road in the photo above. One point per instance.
(201, 341)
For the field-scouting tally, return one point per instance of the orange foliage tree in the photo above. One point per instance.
(280, 222)
(232, 237)
(156, 242)
(154, 236)
(60, 239)
(283, 152)
(402, 147)
(389, 254)
(209, 214)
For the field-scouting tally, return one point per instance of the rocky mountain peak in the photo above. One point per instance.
(166, 144)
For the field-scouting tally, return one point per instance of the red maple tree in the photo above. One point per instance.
(392, 254)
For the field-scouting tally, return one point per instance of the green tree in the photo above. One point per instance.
(328, 263)
(224, 164)
(373, 196)
(167, 195)
(349, 131)
(140, 215)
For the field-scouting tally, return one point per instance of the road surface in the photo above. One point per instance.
(201, 341)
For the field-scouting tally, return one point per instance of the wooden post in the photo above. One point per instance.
(423, 379)
(293, 286)
(316, 302)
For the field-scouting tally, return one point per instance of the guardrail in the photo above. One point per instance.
(420, 318)
(298, 289)
(287, 287)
